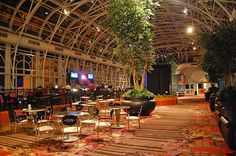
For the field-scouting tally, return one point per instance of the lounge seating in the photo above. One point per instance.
(228, 126)
(219, 105)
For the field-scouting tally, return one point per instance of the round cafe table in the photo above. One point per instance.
(90, 106)
(85, 98)
(62, 114)
(117, 110)
(33, 111)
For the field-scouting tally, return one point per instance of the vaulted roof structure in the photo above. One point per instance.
(69, 32)
(75, 24)
(175, 16)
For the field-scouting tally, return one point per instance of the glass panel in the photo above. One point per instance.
(192, 86)
(19, 81)
(187, 86)
(200, 86)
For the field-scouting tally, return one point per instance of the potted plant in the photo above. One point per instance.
(138, 94)
(139, 97)
(220, 56)
(131, 23)
(220, 59)
(225, 98)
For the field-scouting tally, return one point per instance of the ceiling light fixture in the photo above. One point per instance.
(98, 29)
(185, 11)
(66, 12)
(190, 30)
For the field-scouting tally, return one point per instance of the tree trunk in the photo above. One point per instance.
(234, 79)
(228, 75)
(135, 80)
(143, 77)
(135, 76)
(144, 73)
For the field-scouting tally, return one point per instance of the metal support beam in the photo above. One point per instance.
(53, 48)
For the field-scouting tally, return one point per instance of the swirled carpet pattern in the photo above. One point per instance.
(187, 129)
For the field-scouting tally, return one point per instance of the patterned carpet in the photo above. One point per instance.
(188, 129)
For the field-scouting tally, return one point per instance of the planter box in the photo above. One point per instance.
(162, 101)
(134, 103)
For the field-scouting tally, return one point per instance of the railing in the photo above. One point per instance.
(37, 98)
(43, 97)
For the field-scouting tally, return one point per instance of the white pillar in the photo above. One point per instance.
(7, 76)
(60, 72)
(37, 69)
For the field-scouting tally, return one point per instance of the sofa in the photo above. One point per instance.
(228, 125)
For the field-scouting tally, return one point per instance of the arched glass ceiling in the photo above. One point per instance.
(75, 23)
(175, 16)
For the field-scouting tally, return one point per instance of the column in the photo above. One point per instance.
(60, 71)
(7, 76)
(37, 69)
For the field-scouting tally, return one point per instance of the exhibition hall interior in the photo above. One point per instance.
(117, 77)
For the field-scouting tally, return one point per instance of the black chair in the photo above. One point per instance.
(102, 123)
(49, 113)
(16, 119)
(42, 124)
(41, 117)
(79, 107)
(93, 112)
(70, 125)
(131, 117)
(44, 115)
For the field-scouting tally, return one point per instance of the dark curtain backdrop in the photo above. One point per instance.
(158, 80)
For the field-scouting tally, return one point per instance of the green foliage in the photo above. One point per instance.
(220, 46)
(174, 66)
(207, 62)
(138, 93)
(130, 22)
(228, 91)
